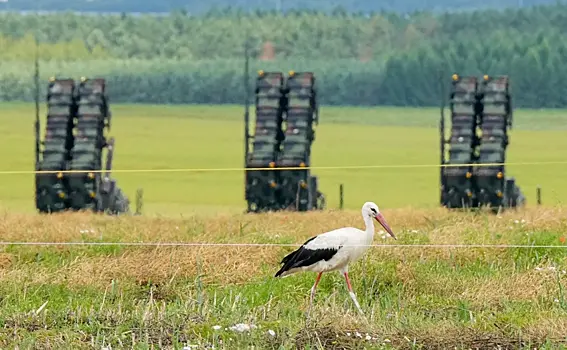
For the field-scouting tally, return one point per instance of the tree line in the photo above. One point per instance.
(382, 60)
(199, 7)
(312, 35)
(414, 80)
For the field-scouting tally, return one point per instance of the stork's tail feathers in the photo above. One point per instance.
(279, 273)
(287, 261)
(289, 257)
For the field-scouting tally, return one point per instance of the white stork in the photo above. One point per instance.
(334, 250)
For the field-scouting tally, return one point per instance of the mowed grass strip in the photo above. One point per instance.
(185, 137)
(174, 296)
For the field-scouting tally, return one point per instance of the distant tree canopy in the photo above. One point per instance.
(380, 59)
(299, 35)
(200, 6)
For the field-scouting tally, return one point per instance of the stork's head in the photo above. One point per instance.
(370, 209)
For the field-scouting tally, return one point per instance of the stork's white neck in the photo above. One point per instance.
(369, 225)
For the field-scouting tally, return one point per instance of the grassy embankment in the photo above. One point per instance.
(173, 296)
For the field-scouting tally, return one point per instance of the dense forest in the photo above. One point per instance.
(383, 59)
(200, 6)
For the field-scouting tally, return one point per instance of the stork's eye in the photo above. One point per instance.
(373, 210)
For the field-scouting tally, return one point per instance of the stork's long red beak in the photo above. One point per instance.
(382, 221)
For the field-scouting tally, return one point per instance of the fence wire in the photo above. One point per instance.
(296, 245)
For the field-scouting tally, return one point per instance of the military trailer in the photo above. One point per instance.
(261, 185)
(69, 160)
(474, 154)
(298, 187)
(286, 114)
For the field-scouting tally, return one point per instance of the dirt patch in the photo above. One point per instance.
(470, 339)
(333, 338)
(325, 338)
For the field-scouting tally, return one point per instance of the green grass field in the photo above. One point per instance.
(157, 137)
(77, 297)
(114, 297)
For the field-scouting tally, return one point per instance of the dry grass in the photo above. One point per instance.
(440, 225)
(414, 297)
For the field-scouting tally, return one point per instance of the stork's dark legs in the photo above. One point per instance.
(351, 292)
(313, 289)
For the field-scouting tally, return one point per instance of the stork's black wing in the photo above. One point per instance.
(305, 256)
